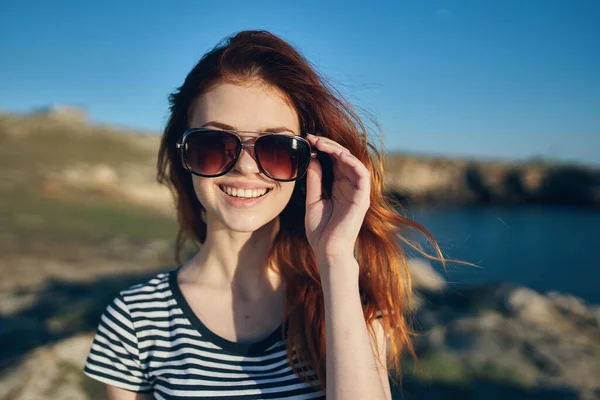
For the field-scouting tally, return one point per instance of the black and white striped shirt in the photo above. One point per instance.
(149, 340)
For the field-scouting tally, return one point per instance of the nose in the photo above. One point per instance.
(246, 163)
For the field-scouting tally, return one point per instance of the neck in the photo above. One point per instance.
(237, 260)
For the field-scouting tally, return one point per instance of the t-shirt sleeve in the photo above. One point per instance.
(114, 357)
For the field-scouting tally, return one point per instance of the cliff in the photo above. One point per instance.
(442, 180)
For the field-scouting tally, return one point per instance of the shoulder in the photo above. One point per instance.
(137, 310)
(143, 296)
(118, 352)
(155, 288)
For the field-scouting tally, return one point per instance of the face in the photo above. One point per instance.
(254, 107)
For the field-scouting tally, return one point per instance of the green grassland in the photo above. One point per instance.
(33, 148)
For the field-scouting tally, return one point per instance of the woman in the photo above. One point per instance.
(273, 175)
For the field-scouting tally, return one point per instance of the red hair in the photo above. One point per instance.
(384, 280)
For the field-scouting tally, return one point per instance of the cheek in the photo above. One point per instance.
(287, 188)
(201, 188)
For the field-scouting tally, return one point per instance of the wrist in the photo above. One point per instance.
(332, 260)
(339, 272)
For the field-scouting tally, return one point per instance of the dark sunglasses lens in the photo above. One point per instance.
(282, 157)
(211, 152)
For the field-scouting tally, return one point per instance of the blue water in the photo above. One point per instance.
(544, 248)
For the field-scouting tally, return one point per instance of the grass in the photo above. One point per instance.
(75, 317)
(438, 367)
(91, 387)
(28, 216)
(495, 373)
(441, 367)
(38, 144)
(31, 147)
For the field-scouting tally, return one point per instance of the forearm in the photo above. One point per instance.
(352, 371)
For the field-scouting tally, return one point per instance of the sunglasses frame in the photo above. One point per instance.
(181, 146)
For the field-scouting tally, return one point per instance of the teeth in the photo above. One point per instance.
(244, 193)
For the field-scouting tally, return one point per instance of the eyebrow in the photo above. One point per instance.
(222, 125)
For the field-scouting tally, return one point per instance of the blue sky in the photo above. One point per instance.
(502, 79)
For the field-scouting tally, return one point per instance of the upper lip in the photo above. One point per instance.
(245, 185)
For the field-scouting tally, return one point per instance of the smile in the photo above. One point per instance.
(244, 193)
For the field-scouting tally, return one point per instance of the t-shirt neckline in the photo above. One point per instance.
(246, 349)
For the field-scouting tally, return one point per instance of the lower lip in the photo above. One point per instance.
(241, 202)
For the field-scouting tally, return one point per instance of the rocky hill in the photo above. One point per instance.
(446, 181)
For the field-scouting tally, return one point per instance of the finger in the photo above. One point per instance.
(314, 179)
(336, 151)
(321, 142)
(318, 141)
(354, 186)
(346, 166)
(339, 154)
(354, 170)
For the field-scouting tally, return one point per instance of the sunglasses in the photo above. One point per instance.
(214, 152)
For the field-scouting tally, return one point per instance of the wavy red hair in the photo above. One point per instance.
(384, 279)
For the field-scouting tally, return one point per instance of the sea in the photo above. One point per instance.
(546, 248)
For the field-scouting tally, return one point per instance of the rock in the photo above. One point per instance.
(569, 304)
(62, 113)
(596, 313)
(518, 337)
(132, 182)
(531, 306)
(150, 195)
(443, 181)
(416, 302)
(74, 349)
(99, 175)
(52, 372)
(13, 301)
(424, 276)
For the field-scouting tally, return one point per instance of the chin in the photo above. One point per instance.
(245, 223)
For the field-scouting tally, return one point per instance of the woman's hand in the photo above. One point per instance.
(332, 225)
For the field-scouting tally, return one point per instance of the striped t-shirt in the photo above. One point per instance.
(149, 340)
